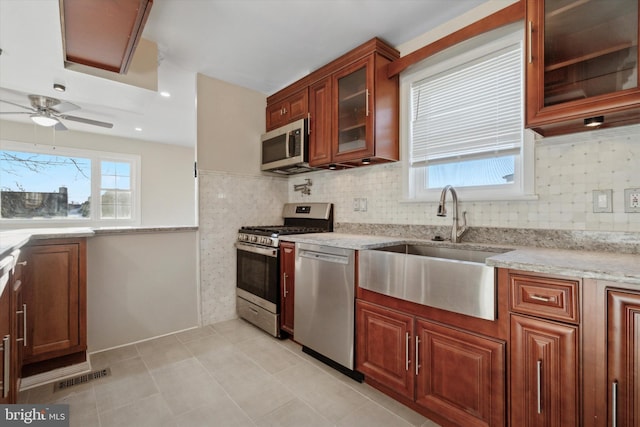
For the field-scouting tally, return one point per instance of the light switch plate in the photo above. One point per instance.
(602, 201)
(356, 204)
(632, 200)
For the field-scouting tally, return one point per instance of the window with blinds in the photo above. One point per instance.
(470, 111)
(464, 118)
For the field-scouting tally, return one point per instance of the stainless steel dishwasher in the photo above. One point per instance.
(324, 309)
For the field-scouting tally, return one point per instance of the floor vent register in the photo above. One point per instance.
(81, 379)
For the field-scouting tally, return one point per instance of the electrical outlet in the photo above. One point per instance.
(363, 204)
(356, 204)
(632, 200)
(602, 201)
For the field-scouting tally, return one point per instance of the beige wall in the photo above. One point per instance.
(140, 286)
(167, 183)
(230, 122)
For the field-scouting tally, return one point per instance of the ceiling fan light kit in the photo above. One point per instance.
(44, 119)
(47, 111)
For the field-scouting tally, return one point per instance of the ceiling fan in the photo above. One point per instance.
(47, 111)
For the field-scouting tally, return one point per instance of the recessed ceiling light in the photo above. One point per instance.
(138, 129)
(165, 94)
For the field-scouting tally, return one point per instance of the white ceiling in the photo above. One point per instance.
(259, 44)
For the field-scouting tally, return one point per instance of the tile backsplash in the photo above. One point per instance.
(567, 170)
(227, 202)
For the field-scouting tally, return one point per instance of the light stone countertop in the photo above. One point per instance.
(566, 262)
(15, 239)
(592, 265)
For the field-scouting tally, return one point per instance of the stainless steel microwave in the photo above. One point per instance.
(285, 150)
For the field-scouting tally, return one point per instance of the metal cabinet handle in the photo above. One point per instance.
(539, 384)
(308, 123)
(253, 310)
(24, 325)
(542, 298)
(367, 103)
(417, 362)
(406, 351)
(284, 281)
(614, 404)
(6, 379)
(530, 29)
(22, 263)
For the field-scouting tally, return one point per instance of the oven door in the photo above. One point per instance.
(257, 276)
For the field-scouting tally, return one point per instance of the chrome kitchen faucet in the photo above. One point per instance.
(456, 230)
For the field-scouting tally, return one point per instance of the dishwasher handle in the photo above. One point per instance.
(322, 256)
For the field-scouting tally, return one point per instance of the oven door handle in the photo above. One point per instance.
(272, 252)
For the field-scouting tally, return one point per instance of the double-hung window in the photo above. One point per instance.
(462, 121)
(43, 184)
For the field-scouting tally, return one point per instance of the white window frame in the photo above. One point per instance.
(522, 187)
(96, 158)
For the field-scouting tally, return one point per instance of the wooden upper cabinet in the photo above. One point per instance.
(365, 113)
(292, 108)
(582, 62)
(320, 95)
(352, 107)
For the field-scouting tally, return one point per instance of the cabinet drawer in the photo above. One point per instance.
(544, 297)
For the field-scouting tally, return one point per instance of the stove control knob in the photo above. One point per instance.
(254, 239)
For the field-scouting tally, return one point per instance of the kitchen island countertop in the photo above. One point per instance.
(566, 262)
(15, 239)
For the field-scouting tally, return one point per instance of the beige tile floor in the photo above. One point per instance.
(229, 374)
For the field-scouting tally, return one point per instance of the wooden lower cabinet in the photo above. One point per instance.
(11, 328)
(623, 356)
(55, 296)
(287, 285)
(460, 375)
(384, 342)
(459, 379)
(5, 342)
(544, 373)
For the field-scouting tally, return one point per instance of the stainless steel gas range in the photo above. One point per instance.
(258, 261)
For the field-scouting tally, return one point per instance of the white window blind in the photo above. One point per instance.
(472, 110)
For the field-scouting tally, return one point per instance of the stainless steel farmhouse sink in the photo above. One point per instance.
(452, 279)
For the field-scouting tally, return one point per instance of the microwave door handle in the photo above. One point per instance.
(291, 146)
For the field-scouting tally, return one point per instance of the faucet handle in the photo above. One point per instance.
(464, 219)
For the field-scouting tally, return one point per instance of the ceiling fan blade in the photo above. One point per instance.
(14, 112)
(87, 121)
(18, 105)
(64, 107)
(60, 126)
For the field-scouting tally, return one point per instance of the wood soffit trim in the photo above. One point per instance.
(102, 34)
(508, 15)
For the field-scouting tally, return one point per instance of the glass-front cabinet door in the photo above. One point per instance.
(582, 58)
(353, 93)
